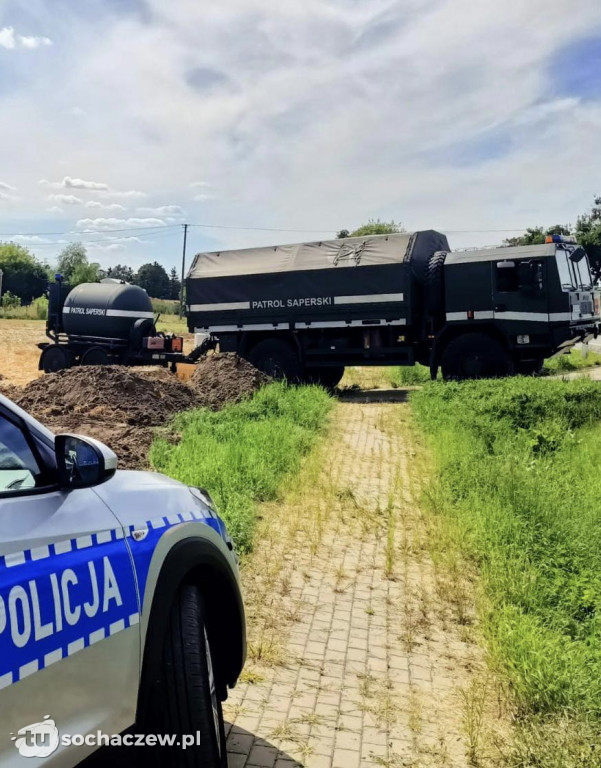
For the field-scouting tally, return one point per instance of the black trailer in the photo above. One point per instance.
(104, 323)
(307, 310)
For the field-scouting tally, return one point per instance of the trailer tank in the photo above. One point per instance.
(107, 310)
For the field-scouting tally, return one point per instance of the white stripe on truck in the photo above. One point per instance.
(114, 313)
(369, 298)
(533, 317)
(224, 307)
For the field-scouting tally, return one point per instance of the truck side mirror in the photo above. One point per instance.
(82, 461)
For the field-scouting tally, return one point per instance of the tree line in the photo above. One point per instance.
(25, 277)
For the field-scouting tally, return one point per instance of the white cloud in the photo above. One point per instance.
(114, 223)
(7, 38)
(81, 184)
(6, 196)
(199, 184)
(203, 198)
(10, 40)
(65, 199)
(34, 42)
(164, 210)
(34, 239)
(7, 187)
(130, 193)
(55, 209)
(105, 206)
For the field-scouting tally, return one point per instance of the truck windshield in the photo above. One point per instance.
(574, 270)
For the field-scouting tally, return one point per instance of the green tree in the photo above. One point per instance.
(74, 266)
(374, 227)
(121, 272)
(174, 284)
(23, 275)
(154, 280)
(537, 235)
(588, 227)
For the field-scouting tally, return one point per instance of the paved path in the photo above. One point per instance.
(355, 659)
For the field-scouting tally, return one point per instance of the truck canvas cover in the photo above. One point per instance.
(353, 279)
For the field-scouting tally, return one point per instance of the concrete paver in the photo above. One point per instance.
(356, 660)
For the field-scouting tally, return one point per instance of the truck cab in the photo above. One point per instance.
(517, 306)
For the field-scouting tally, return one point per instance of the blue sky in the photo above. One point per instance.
(308, 115)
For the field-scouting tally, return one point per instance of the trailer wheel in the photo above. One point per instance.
(326, 377)
(475, 356)
(55, 358)
(95, 356)
(276, 359)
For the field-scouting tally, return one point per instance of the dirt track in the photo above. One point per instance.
(357, 655)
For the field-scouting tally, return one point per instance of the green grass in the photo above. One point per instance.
(518, 489)
(409, 375)
(242, 454)
(574, 361)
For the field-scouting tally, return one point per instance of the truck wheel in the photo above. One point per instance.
(55, 358)
(475, 356)
(95, 356)
(325, 377)
(276, 359)
(185, 701)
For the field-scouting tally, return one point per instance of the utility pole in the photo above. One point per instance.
(181, 293)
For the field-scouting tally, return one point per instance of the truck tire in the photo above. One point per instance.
(185, 701)
(276, 358)
(475, 356)
(325, 377)
(434, 285)
(55, 358)
(95, 356)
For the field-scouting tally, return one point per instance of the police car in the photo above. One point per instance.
(120, 602)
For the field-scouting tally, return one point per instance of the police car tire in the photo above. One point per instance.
(473, 356)
(55, 358)
(276, 358)
(191, 704)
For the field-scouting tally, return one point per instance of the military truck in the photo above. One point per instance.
(305, 311)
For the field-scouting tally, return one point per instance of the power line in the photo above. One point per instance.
(164, 227)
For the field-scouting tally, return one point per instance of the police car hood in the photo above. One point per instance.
(137, 498)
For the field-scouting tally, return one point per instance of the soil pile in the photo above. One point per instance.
(111, 403)
(106, 392)
(120, 407)
(225, 378)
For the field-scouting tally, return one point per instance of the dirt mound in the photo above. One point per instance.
(225, 378)
(109, 393)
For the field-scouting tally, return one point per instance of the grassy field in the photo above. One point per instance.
(517, 492)
(242, 454)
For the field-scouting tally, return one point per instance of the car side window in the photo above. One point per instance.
(19, 469)
(507, 276)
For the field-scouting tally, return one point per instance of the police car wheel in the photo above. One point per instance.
(475, 356)
(277, 359)
(188, 704)
(55, 358)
